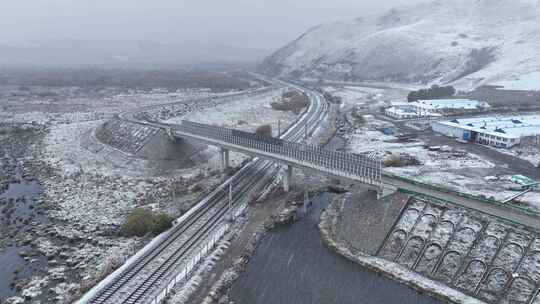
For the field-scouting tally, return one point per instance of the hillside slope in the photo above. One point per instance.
(464, 42)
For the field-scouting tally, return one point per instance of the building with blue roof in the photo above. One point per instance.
(497, 131)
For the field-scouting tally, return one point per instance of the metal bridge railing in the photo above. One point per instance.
(366, 167)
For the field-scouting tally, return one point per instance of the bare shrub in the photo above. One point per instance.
(293, 101)
(264, 130)
(392, 160)
(141, 222)
(400, 160)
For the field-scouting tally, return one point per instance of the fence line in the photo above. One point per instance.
(367, 167)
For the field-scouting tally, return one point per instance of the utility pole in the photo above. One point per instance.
(279, 128)
(83, 177)
(230, 202)
(173, 186)
(306, 201)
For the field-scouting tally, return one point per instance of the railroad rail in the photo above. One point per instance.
(149, 275)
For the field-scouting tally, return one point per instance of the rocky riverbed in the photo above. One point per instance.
(59, 229)
(63, 197)
(25, 249)
(64, 194)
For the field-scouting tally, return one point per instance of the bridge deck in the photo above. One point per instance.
(363, 168)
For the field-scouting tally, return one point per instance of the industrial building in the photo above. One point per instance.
(501, 132)
(408, 110)
(441, 105)
(433, 108)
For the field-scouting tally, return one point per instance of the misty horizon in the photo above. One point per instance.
(64, 33)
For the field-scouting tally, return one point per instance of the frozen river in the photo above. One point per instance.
(292, 265)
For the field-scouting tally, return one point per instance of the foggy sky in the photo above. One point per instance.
(254, 24)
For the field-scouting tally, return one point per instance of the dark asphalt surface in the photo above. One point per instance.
(293, 266)
(507, 163)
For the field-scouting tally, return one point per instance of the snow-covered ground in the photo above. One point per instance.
(444, 160)
(367, 139)
(458, 170)
(464, 172)
(96, 184)
(52, 111)
(73, 149)
(90, 187)
(363, 96)
(356, 96)
(528, 153)
(465, 43)
(530, 81)
(531, 198)
(244, 113)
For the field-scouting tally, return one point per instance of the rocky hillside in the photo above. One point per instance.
(464, 42)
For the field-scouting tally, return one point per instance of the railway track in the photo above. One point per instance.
(141, 279)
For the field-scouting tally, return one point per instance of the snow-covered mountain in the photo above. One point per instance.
(463, 42)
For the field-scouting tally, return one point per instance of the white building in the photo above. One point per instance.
(441, 105)
(502, 132)
(409, 110)
(432, 108)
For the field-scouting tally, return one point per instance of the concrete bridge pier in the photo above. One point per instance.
(287, 179)
(224, 159)
(306, 204)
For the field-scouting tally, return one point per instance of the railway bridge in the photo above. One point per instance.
(363, 168)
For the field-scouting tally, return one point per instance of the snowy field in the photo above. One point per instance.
(528, 153)
(243, 114)
(464, 172)
(351, 96)
(370, 97)
(67, 108)
(530, 81)
(96, 184)
(90, 187)
(455, 169)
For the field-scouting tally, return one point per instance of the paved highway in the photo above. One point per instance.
(495, 210)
